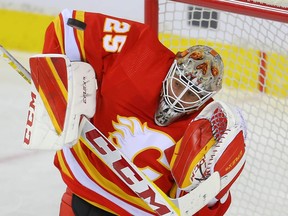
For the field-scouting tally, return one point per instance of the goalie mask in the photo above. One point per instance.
(193, 78)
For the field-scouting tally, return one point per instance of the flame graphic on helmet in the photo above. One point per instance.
(200, 70)
(204, 64)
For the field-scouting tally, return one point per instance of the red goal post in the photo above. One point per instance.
(250, 8)
(252, 39)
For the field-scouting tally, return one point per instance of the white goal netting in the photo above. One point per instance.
(255, 54)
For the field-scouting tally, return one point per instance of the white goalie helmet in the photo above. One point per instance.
(193, 78)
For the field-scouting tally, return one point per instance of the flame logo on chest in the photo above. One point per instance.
(144, 146)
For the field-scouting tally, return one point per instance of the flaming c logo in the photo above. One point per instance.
(141, 143)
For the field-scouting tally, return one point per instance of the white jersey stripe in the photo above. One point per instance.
(71, 48)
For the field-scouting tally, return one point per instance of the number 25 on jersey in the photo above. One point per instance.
(115, 36)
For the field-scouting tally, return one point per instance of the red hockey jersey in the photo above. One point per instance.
(130, 65)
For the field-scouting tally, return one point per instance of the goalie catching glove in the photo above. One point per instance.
(214, 141)
(61, 92)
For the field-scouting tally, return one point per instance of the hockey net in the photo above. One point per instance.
(252, 40)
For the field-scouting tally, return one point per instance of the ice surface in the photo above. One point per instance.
(30, 185)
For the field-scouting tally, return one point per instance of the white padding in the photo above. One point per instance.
(82, 86)
(82, 98)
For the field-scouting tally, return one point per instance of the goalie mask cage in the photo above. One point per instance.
(252, 40)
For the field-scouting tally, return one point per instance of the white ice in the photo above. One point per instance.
(30, 185)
